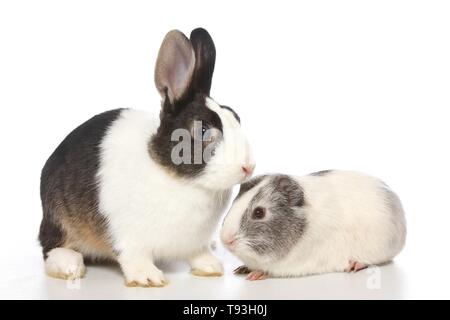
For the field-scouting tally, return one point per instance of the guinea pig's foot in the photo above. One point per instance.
(355, 266)
(242, 270)
(257, 275)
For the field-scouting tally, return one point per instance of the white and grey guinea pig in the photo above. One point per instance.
(329, 221)
(115, 188)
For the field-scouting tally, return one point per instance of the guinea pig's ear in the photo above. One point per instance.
(205, 59)
(291, 190)
(174, 66)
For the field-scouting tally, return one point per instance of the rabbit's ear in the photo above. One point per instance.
(205, 58)
(174, 66)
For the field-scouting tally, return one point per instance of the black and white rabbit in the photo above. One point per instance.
(113, 190)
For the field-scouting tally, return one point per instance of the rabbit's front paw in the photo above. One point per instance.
(146, 278)
(206, 265)
(142, 273)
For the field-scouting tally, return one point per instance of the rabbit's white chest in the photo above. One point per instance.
(145, 207)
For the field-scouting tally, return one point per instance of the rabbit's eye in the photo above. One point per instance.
(259, 213)
(207, 134)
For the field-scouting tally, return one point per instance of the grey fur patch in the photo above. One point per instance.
(285, 224)
(321, 173)
(250, 184)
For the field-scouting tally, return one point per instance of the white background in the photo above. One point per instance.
(361, 85)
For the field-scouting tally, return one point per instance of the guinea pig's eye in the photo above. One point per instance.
(204, 130)
(259, 213)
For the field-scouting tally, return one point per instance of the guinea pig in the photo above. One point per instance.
(122, 186)
(328, 221)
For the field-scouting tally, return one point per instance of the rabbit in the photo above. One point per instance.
(329, 221)
(119, 187)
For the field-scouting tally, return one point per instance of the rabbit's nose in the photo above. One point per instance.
(248, 169)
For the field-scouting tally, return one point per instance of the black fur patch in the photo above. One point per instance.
(321, 173)
(51, 234)
(275, 236)
(69, 191)
(182, 117)
(205, 60)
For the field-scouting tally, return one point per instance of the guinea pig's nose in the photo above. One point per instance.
(229, 240)
(248, 169)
